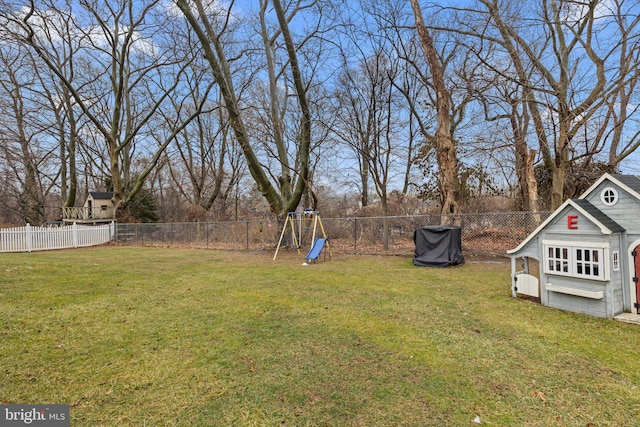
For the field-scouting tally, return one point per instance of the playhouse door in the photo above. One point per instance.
(636, 263)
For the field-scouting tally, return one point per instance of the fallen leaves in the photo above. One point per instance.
(540, 395)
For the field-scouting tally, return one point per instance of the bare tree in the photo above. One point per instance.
(133, 75)
(443, 140)
(283, 194)
(504, 100)
(369, 123)
(571, 80)
(20, 148)
(202, 163)
(621, 110)
(66, 120)
(360, 94)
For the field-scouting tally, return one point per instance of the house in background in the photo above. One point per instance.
(97, 207)
(588, 253)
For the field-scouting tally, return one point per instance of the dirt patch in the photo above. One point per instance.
(487, 258)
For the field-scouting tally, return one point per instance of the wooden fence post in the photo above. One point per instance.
(75, 235)
(28, 235)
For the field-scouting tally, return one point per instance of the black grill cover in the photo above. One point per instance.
(438, 246)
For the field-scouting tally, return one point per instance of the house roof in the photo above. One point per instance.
(629, 183)
(101, 195)
(585, 208)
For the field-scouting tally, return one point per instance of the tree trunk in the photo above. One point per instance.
(31, 197)
(524, 159)
(304, 136)
(71, 174)
(364, 179)
(274, 106)
(446, 155)
(385, 223)
(560, 171)
(532, 185)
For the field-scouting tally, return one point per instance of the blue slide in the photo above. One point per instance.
(317, 247)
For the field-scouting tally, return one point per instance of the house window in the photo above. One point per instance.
(558, 259)
(587, 262)
(615, 257)
(609, 196)
(576, 261)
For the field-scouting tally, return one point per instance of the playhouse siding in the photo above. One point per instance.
(595, 307)
(612, 302)
(532, 249)
(587, 232)
(592, 307)
(624, 273)
(617, 280)
(625, 212)
(100, 205)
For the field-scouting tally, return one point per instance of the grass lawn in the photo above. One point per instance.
(134, 336)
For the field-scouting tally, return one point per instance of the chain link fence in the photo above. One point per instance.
(485, 234)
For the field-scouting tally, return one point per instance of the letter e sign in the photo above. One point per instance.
(572, 222)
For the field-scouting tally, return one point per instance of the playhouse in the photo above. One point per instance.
(99, 206)
(587, 252)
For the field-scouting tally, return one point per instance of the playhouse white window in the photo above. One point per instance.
(575, 261)
(558, 259)
(587, 262)
(609, 196)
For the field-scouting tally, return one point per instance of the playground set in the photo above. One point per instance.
(300, 224)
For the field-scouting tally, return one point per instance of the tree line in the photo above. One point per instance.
(199, 106)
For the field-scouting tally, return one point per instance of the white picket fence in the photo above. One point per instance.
(30, 238)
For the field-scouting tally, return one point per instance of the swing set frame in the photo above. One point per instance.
(299, 222)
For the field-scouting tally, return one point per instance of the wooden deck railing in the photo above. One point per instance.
(70, 214)
(85, 214)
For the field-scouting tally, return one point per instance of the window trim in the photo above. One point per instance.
(609, 192)
(569, 263)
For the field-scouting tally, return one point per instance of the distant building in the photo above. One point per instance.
(98, 207)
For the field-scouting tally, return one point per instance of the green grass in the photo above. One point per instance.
(143, 336)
